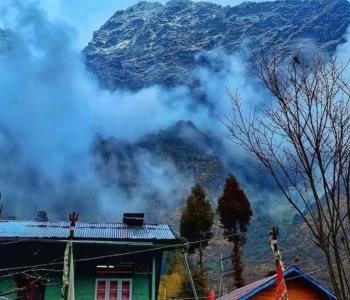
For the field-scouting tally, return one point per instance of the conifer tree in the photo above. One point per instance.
(235, 213)
(196, 222)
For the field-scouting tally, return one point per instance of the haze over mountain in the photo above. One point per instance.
(154, 44)
(153, 37)
(150, 43)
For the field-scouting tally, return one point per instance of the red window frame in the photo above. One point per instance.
(30, 289)
(115, 293)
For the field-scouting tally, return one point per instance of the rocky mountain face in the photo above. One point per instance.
(150, 43)
(193, 152)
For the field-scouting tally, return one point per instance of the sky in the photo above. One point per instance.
(87, 16)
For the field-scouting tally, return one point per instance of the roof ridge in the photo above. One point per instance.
(79, 222)
(251, 289)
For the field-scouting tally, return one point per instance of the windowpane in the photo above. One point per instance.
(101, 290)
(126, 285)
(101, 285)
(126, 290)
(113, 290)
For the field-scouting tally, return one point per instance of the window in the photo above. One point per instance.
(30, 289)
(113, 289)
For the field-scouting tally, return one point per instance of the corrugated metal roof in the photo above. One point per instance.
(250, 290)
(106, 231)
(237, 294)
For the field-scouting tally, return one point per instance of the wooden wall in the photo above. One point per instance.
(298, 289)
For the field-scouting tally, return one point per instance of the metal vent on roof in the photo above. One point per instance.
(133, 219)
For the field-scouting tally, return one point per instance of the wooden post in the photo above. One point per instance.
(281, 288)
(72, 218)
(153, 277)
(0, 206)
(274, 246)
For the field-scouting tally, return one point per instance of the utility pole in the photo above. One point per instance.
(221, 286)
(184, 254)
(0, 206)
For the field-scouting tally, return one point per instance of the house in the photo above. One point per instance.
(299, 286)
(112, 261)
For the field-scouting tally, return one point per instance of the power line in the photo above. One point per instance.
(140, 251)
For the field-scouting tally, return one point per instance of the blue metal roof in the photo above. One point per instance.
(88, 231)
(252, 289)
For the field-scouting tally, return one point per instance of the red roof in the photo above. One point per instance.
(237, 294)
(250, 290)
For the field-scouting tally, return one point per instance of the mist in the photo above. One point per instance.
(53, 113)
(52, 109)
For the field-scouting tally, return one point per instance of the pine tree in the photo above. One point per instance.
(196, 222)
(235, 213)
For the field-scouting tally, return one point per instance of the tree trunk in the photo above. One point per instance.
(237, 266)
(201, 263)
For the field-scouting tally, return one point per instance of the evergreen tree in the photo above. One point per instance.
(196, 222)
(235, 213)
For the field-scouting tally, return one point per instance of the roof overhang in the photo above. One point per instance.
(167, 245)
(290, 270)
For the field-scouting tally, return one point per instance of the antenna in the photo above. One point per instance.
(274, 245)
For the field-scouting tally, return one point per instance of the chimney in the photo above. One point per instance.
(133, 219)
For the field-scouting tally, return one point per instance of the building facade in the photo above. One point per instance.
(112, 261)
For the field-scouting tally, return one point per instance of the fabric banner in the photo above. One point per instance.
(68, 274)
(281, 288)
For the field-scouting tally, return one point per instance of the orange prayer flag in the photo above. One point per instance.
(281, 288)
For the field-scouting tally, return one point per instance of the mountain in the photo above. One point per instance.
(194, 153)
(150, 43)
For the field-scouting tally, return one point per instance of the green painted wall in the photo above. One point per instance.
(140, 289)
(84, 287)
(53, 292)
(6, 285)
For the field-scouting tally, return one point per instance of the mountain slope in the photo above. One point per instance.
(193, 152)
(150, 43)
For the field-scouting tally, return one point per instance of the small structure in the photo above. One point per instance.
(42, 216)
(112, 261)
(299, 286)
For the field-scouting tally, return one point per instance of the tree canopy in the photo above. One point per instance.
(197, 220)
(235, 213)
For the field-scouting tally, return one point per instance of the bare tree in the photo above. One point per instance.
(301, 137)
